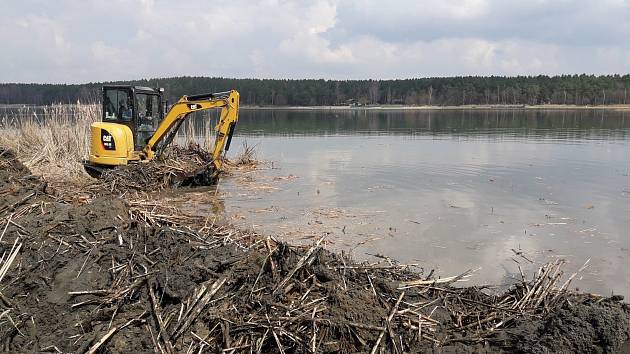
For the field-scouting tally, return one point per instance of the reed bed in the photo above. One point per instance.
(52, 141)
(246, 156)
(198, 129)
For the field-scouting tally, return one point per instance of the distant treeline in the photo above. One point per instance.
(529, 90)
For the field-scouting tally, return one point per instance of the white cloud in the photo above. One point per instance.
(93, 40)
(310, 46)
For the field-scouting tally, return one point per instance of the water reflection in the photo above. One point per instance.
(450, 190)
(544, 124)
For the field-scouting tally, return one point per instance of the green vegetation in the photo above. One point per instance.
(529, 90)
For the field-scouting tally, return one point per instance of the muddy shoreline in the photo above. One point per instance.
(116, 273)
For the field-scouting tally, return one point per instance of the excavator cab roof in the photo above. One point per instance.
(134, 88)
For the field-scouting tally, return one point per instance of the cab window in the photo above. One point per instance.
(117, 105)
(148, 110)
(148, 119)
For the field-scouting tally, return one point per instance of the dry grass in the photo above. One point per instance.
(198, 128)
(51, 141)
(246, 157)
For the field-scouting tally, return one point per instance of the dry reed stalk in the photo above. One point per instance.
(247, 156)
(51, 141)
(5, 263)
(198, 129)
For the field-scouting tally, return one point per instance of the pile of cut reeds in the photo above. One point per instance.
(190, 166)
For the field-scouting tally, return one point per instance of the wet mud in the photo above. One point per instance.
(95, 277)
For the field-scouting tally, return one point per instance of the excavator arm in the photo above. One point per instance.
(228, 102)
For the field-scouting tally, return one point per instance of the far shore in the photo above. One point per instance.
(616, 107)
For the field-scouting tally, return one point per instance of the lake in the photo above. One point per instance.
(448, 190)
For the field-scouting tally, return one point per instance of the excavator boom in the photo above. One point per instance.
(227, 101)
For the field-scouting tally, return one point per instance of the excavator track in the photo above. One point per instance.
(95, 171)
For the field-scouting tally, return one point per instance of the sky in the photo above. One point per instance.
(79, 41)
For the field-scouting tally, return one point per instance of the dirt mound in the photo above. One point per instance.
(588, 326)
(17, 185)
(11, 167)
(190, 166)
(99, 278)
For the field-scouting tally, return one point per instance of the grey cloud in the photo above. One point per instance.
(574, 22)
(94, 40)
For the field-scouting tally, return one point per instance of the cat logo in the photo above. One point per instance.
(194, 106)
(107, 140)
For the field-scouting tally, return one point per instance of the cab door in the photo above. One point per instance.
(148, 109)
(118, 105)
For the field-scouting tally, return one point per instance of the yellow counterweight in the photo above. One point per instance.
(111, 144)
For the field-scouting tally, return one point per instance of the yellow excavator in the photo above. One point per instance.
(134, 128)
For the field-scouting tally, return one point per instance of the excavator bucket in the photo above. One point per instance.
(204, 176)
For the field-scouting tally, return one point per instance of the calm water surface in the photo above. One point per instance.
(448, 190)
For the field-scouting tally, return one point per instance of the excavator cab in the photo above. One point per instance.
(139, 108)
(131, 115)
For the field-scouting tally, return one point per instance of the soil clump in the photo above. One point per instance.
(103, 276)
